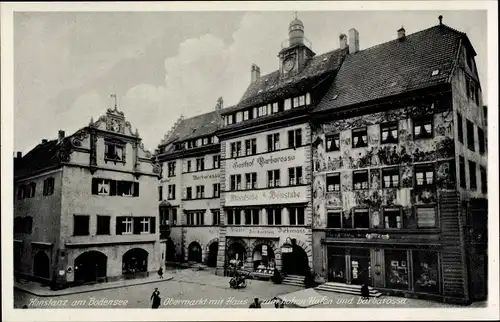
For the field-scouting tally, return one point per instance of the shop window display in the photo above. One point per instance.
(425, 267)
(396, 266)
(336, 265)
(264, 261)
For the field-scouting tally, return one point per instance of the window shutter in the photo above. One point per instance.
(119, 225)
(95, 184)
(137, 225)
(136, 189)
(112, 187)
(153, 225)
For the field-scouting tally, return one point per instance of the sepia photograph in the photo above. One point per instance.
(280, 157)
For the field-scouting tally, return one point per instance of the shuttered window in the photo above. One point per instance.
(426, 217)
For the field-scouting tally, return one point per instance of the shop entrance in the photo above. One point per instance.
(135, 261)
(170, 256)
(337, 265)
(90, 266)
(194, 252)
(212, 254)
(296, 262)
(41, 265)
(360, 266)
(263, 257)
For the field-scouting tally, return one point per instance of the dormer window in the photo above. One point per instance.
(435, 72)
(113, 152)
(205, 141)
(239, 117)
(230, 119)
(288, 104)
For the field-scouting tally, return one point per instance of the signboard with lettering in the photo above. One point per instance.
(274, 160)
(265, 232)
(206, 176)
(267, 197)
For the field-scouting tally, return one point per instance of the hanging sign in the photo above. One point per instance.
(264, 250)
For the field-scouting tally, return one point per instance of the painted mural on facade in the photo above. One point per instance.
(376, 156)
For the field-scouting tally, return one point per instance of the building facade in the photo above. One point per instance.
(398, 155)
(85, 207)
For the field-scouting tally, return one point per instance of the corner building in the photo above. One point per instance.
(85, 206)
(266, 162)
(399, 178)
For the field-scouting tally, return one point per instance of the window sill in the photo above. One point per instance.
(127, 233)
(145, 233)
(103, 234)
(106, 160)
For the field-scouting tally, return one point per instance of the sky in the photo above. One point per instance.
(164, 64)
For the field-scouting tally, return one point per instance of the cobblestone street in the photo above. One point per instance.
(201, 289)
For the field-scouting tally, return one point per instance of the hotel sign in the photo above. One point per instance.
(206, 176)
(267, 196)
(262, 161)
(265, 232)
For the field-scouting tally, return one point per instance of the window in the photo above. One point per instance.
(48, 186)
(463, 182)
(426, 271)
(189, 193)
(274, 216)
(295, 176)
(80, 225)
(484, 180)
(235, 182)
(216, 162)
(173, 214)
(460, 128)
(234, 217)
(295, 138)
(472, 175)
(251, 180)
(251, 147)
(103, 227)
(423, 128)
(389, 132)
(361, 218)
(393, 218)
(190, 218)
(390, 178)
(426, 217)
(480, 138)
(273, 142)
(171, 169)
(359, 138)
(396, 263)
(215, 217)
(164, 217)
(230, 119)
(251, 216)
(472, 89)
(333, 182)
(101, 187)
(308, 99)
(360, 180)
(31, 190)
(424, 175)
(275, 108)
(216, 190)
(189, 166)
(296, 216)
(200, 164)
(198, 142)
(288, 104)
(200, 218)
(470, 136)
(160, 193)
(262, 110)
(200, 192)
(239, 117)
(273, 178)
(126, 188)
(245, 116)
(171, 191)
(113, 152)
(235, 149)
(205, 141)
(334, 219)
(333, 142)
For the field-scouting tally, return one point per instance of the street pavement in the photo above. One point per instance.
(202, 289)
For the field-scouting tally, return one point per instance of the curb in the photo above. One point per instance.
(62, 293)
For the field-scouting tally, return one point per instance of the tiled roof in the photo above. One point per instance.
(271, 86)
(44, 155)
(194, 127)
(394, 67)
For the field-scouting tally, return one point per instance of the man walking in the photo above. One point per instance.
(160, 272)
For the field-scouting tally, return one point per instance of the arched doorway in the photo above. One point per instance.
(90, 266)
(236, 251)
(194, 252)
(41, 265)
(263, 257)
(212, 254)
(134, 261)
(295, 262)
(170, 256)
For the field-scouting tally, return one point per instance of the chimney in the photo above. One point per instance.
(401, 33)
(44, 141)
(61, 135)
(255, 73)
(343, 41)
(19, 155)
(353, 41)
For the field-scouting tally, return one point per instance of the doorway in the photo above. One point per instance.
(194, 252)
(296, 262)
(90, 266)
(212, 254)
(360, 266)
(41, 265)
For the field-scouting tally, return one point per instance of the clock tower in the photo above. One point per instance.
(296, 50)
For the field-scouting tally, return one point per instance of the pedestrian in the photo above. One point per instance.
(155, 298)
(365, 291)
(255, 304)
(160, 272)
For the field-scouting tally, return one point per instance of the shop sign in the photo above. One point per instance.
(264, 232)
(206, 176)
(263, 161)
(264, 250)
(332, 234)
(267, 197)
